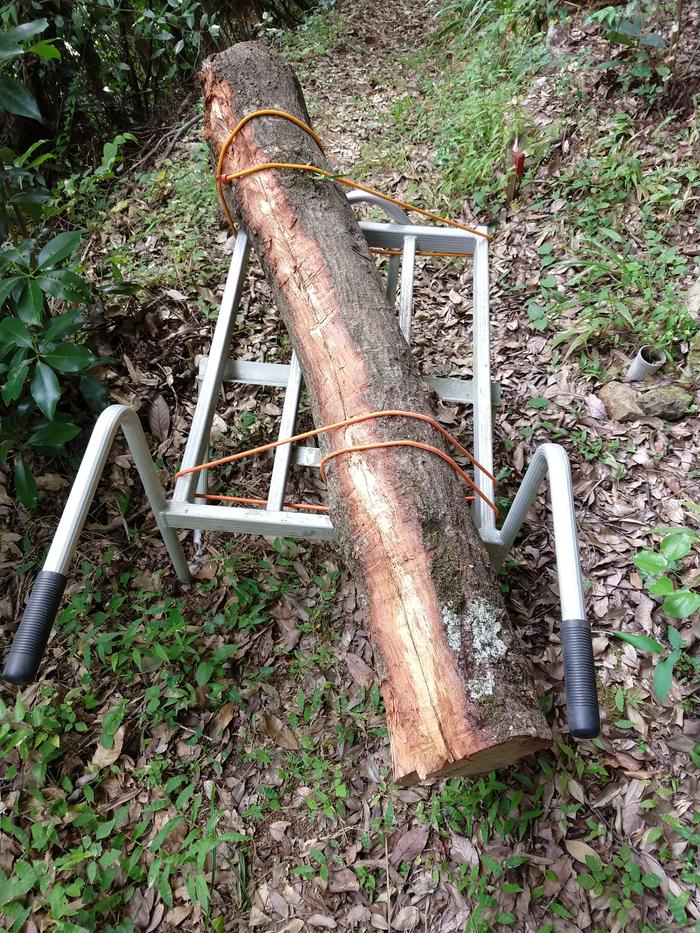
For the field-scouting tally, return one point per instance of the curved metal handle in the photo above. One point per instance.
(33, 633)
(579, 679)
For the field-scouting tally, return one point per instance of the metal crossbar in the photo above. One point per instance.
(183, 510)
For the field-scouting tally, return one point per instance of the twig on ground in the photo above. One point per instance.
(176, 131)
(183, 129)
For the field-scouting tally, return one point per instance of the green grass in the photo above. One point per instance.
(141, 664)
(318, 35)
(166, 222)
(623, 270)
(466, 120)
(612, 275)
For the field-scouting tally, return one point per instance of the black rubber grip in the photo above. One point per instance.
(33, 633)
(579, 679)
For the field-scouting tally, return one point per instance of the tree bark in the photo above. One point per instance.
(459, 693)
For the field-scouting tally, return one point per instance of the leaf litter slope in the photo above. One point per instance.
(224, 748)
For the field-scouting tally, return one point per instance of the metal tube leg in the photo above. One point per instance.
(577, 650)
(33, 633)
(154, 492)
(203, 488)
(408, 269)
(550, 459)
(211, 382)
(283, 455)
(484, 518)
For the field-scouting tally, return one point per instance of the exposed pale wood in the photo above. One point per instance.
(458, 691)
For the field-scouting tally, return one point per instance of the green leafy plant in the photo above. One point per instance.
(629, 27)
(21, 183)
(621, 294)
(81, 193)
(622, 880)
(614, 289)
(664, 668)
(37, 354)
(470, 112)
(15, 97)
(662, 572)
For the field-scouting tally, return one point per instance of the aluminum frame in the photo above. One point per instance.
(183, 511)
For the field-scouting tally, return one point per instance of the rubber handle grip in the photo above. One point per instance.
(579, 679)
(33, 633)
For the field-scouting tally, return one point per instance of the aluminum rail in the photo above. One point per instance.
(198, 439)
(33, 633)
(395, 213)
(551, 461)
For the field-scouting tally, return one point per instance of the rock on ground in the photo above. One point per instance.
(693, 360)
(669, 402)
(621, 402)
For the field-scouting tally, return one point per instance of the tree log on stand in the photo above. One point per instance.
(458, 690)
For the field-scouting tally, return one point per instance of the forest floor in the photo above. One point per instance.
(215, 757)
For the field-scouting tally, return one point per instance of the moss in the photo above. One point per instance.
(494, 709)
(444, 570)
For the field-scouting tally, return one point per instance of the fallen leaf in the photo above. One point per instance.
(463, 850)
(576, 790)
(293, 926)
(156, 917)
(407, 918)
(104, 757)
(278, 829)
(358, 914)
(159, 418)
(139, 908)
(378, 922)
(176, 916)
(344, 879)
(596, 409)
(580, 850)
(208, 570)
(276, 730)
(322, 920)
(223, 718)
(638, 720)
(409, 845)
(257, 918)
(361, 672)
(631, 816)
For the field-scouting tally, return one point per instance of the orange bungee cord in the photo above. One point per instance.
(221, 178)
(315, 169)
(348, 422)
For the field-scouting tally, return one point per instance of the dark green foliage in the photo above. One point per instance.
(38, 354)
(74, 77)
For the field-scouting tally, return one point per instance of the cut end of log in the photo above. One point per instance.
(492, 758)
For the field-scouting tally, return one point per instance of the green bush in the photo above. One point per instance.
(41, 292)
(38, 353)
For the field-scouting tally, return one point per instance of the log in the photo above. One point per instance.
(458, 690)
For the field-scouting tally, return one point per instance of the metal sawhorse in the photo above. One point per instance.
(183, 511)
